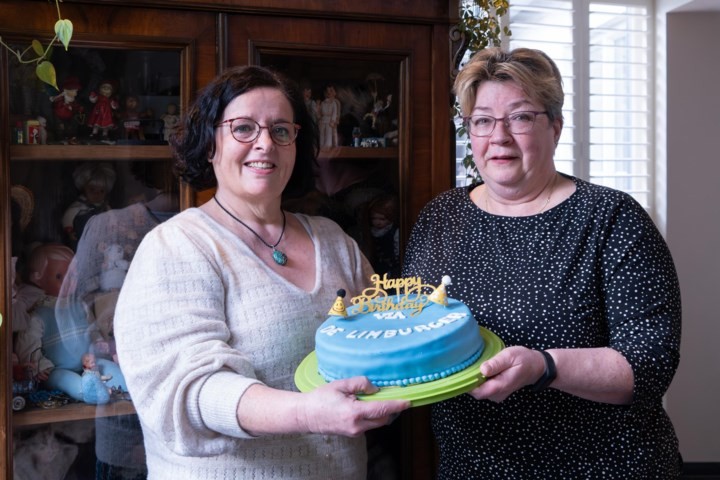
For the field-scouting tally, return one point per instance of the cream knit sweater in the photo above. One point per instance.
(199, 319)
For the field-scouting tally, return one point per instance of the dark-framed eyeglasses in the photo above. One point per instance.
(247, 130)
(516, 122)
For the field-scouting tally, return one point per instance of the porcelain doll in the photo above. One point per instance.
(310, 104)
(101, 117)
(384, 248)
(131, 117)
(94, 181)
(94, 389)
(42, 131)
(376, 114)
(171, 120)
(54, 341)
(329, 118)
(68, 112)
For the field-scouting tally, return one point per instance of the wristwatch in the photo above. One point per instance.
(548, 375)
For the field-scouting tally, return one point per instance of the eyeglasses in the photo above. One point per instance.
(247, 130)
(517, 122)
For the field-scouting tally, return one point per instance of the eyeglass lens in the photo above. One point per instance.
(518, 122)
(246, 130)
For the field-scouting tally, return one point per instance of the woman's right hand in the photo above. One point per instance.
(335, 409)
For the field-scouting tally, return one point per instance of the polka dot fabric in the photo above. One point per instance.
(590, 272)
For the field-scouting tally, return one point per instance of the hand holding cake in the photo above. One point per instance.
(335, 409)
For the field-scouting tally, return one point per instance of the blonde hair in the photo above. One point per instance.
(94, 174)
(39, 257)
(532, 70)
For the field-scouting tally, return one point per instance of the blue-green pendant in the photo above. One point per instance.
(279, 257)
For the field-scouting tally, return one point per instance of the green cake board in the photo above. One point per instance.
(307, 378)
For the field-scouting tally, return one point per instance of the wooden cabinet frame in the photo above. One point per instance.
(214, 34)
(193, 35)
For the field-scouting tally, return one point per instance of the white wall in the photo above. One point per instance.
(693, 224)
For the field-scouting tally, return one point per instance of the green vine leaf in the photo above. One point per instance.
(37, 48)
(64, 31)
(45, 71)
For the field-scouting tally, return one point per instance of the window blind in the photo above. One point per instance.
(603, 51)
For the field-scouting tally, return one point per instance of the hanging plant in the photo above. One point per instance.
(44, 69)
(479, 27)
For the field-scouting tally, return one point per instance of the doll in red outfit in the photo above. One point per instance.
(102, 116)
(68, 111)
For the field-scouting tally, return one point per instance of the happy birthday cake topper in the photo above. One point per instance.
(409, 295)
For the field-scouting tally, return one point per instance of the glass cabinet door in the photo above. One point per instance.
(90, 175)
(355, 100)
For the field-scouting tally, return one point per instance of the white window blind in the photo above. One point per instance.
(603, 51)
(619, 98)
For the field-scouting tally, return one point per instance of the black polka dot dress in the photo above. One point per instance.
(591, 272)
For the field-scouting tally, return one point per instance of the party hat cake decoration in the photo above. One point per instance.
(338, 308)
(439, 296)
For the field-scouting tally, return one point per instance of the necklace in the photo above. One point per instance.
(279, 257)
(547, 200)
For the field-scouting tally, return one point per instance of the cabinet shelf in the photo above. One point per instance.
(360, 153)
(162, 152)
(84, 152)
(72, 412)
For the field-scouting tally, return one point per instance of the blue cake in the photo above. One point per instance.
(400, 339)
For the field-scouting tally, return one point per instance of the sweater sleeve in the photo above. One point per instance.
(172, 339)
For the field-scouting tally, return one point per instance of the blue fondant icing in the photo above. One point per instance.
(399, 349)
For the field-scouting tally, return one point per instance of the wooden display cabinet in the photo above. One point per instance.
(155, 56)
(348, 53)
(405, 47)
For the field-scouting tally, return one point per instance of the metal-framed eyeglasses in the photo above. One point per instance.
(516, 122)
(247, 130)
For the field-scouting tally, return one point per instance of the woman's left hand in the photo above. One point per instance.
(508, 371)
(599, 374)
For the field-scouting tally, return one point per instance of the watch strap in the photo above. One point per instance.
(548, 375)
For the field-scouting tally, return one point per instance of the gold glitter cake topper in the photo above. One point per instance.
(409, 295)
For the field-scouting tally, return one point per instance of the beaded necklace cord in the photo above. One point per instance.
(278, 257)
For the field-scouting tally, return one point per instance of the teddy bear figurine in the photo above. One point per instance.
(114, 268)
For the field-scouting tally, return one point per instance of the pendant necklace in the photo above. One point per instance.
(547, 200)
(279, 257)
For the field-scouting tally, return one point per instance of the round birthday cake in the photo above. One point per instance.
(414, 335)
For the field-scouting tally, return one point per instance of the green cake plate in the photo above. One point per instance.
(307, 378)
